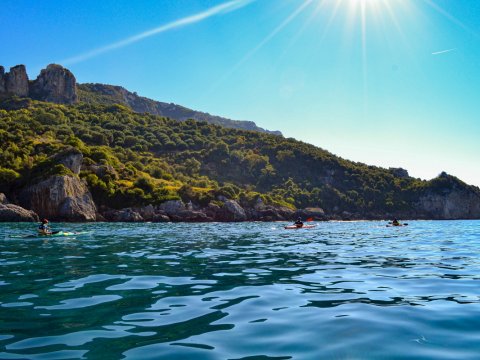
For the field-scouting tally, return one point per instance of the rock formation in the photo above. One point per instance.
(61, 197)
(452, 199)
(54, 84)
(14, 82)
(2, 80)
(10, 212)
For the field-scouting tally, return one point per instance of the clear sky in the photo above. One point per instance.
(394, 83)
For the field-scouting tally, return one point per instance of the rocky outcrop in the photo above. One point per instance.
(123, 215)
(55, 84)
(14, 82)
(231, 211)
(14, 213)
(452, 199)
(172, 207)
(457, 204)
(2, 80)
(59, 197)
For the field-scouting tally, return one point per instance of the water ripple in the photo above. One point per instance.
(346, 290)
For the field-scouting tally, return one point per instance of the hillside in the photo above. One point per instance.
(133, 160)
(109, 95)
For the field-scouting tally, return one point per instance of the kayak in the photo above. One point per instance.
(54, 234)
(397, 225)
(293, 227)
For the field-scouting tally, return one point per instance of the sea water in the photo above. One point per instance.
(343, 290)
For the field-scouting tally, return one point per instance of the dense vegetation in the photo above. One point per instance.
(110, 95)
(137, 159)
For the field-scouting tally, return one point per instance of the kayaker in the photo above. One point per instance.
(43, 228)
(395, 222)
(298, 223)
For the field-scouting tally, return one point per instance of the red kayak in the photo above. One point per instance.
(294, 227)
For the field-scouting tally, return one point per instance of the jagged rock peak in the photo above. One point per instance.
(15, 81)
(2, 79)
(55, 84)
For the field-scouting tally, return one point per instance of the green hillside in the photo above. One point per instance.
(133, 159)
(110, 94)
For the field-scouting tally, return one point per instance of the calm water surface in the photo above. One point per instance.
(353, 290)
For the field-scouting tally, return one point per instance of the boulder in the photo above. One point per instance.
(55, 84)
(231, 211)
(160, 217)
(172, 207)
(10, 212)
(212, 210)
(16, 81)
(191, 216)
(60, 198)
(123, 215)
(146, 212)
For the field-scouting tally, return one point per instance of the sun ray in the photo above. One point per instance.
(260, 45)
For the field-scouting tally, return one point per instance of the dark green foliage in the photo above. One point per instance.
(135, 159)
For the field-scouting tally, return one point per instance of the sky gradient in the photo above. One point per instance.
(393, 83)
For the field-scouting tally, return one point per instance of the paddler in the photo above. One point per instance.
(43, 228)
(298, 223)
(395, 222)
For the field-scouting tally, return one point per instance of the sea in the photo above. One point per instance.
(342, 290)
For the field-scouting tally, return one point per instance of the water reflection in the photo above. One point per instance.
(242, 291)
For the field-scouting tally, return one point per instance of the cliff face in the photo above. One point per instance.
(15, 81)
(54, 84)
(61, 197)
(454, 200)
(457, 204)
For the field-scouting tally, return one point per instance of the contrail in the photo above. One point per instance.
(219, 9)
(443, 51)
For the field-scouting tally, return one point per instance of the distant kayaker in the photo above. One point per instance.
(43, 228)
(299, 223)
(395, 222)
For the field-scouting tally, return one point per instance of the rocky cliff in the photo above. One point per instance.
(452, 200)
(54, 84)
(14, 213)
(15, 81)
(61, 197)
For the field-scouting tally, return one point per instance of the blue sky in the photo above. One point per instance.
(384, 82)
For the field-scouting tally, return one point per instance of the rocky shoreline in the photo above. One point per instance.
(66, 197)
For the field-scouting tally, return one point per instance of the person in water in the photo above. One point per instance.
(395, 222)
(43, 228)
(298, 223)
